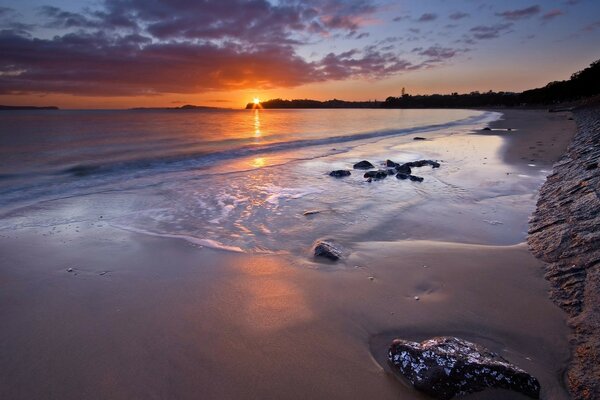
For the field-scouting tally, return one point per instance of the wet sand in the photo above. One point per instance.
(142, 317)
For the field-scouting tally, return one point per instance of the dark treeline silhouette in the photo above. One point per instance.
(582, 84)
(306, 103)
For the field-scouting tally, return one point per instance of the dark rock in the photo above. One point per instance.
(400, 175)
(381, 174)
(328, 249)
(363, 165)
(422, 163)
(419, 138)
(403, 169)
(415, 178)
(391, 164)
(340, 173)
(445, 367)
(487, 128)
(509, 129)
(391, 171)
(370, 180)
(591, 166)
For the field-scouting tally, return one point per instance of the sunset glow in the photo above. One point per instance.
(221, 53)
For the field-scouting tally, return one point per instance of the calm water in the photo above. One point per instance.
(241, 180)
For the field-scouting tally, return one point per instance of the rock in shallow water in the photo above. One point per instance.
(376, 174)
(445, 367)
(340, 173)
(328, 249)
(364, 164)
(403, 169)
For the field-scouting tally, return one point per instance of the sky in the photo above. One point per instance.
(159, 53)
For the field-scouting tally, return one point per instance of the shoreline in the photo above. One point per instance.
(145, 317)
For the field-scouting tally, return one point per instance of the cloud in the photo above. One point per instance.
(458, 15)
(521, 13)
(552, 14)
(592, 27)
(483, 32)
(427, 17)
(438, 53)
(96, 64)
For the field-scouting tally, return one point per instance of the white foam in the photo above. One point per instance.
(276, 193)
(213, 244)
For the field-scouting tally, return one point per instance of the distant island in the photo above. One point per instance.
(186, 107)
(582, 84)
(7, 108)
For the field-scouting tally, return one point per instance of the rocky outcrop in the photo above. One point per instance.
(565, 233)
(445, 367)
(364, 164)
(328, 249)
(340, 173)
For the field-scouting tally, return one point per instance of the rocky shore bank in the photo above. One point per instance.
(565, 233)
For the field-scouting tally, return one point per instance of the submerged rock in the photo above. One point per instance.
(364, 164)
(340, 173)
(415, 178)
(445, 367)
(419, 138)
(328, 249)
(401, 175)
(376, 174)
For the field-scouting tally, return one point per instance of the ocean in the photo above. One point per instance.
(244, 180)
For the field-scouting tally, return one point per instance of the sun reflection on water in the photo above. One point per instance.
(257, 133)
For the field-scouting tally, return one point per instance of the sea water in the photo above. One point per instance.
(254, 180)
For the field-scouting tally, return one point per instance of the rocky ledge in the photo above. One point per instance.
(445, 367)
(564, 232)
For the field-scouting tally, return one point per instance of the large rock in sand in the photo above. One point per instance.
(445, 367)
(328, 249)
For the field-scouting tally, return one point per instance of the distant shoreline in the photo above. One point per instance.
(11, 108)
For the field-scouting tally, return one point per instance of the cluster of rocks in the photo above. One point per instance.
(401, 171)
(564, 232)
(445, 367)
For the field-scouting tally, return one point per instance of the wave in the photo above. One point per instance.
(81, 177)
(204, 159)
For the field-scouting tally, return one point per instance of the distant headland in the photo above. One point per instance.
(185, 107)
(7, 108)
(581, 85)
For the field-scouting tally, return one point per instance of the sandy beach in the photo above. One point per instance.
(143, 317)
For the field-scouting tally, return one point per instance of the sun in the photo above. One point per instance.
(256, 101)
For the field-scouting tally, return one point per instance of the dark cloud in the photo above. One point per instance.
(96, 64)
(458, 15)
(5, 11)
(141, 47)
(58, 18)
(552, 14)
(482, 32)
(521, 13)
(438, 53)
(401, 18)
(427, 17)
